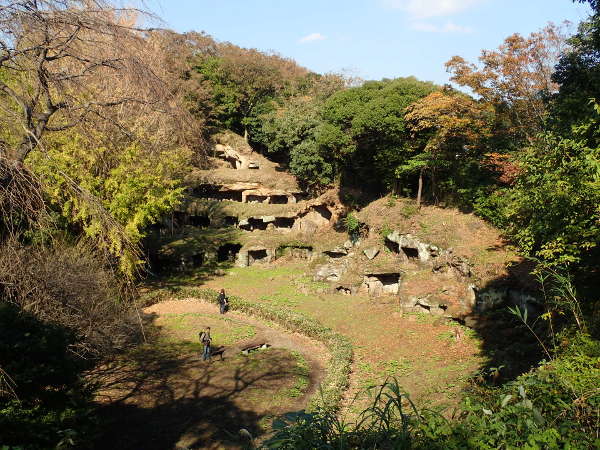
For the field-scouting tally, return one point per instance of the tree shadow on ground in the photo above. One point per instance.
(507, 344)
(162, 396)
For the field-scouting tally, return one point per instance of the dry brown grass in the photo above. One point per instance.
(267, 177)
(245, 210)
(69, 286)
(212, 208)
(468, 235)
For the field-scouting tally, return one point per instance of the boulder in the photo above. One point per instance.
(329, 272)
(305, 226)
(254, 255)
(448, 263)
(422, 301)
(461, 266)
(268, 219)
(236, 159)
(377, 284)
(471, 298)
(488, 299)
(407, 244)
(371, 252)
(313, 218)
(345, 290)
(241, 260)
(253, 165)
(426, 303)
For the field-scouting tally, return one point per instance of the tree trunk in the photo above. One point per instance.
(433, 187)
(246, 134)
(420, 191)
(396, 189)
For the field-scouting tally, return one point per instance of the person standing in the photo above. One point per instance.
(223, 303)
(205, 341)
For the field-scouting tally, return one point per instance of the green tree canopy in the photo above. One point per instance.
(372, 118)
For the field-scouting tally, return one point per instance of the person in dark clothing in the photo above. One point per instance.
(205, 340)
(223, 302)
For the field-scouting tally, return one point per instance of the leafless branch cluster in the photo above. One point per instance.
(67, 285)
(85, 65)
(7, 385)
(21, 200)
(71, 62)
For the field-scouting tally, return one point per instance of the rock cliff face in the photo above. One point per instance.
(267, 217)
(259, 205)
(255, 254)
(448, 287)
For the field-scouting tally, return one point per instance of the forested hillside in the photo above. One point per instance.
(138, 165)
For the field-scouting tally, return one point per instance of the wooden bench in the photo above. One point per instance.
(252, 348)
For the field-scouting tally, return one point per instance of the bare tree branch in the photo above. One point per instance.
(60, 57)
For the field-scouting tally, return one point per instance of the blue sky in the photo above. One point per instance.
(371, 39)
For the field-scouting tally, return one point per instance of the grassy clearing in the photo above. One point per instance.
(336, 379)
(302, 374)
(170, 399)
(412, 347)
(185, 327)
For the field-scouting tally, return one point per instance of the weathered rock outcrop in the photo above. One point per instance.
(491, 298)
(411, 248)
(237, 160)
(447, 262)
(247, 192)
(271, 196)
(337, 252)
(256, 254)
(330, 272)
(371, 252)
(383, 283)
(472, 303)
(295, 251)
(313, 217)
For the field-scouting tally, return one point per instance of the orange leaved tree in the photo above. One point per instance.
(516, 78)
(447, 127)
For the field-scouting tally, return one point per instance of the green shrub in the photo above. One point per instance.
(48, 402)
(385, 230)
(352, 225)
(387, 423)
(409, 210)
(510, 418)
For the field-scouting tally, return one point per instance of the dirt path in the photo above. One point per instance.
(162, 396)
(313, 352)
(416, 349)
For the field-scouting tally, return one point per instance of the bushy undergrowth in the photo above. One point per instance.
(44, 402)
(555, 406)
(336, 380)
(540, 410)
(69, 286)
